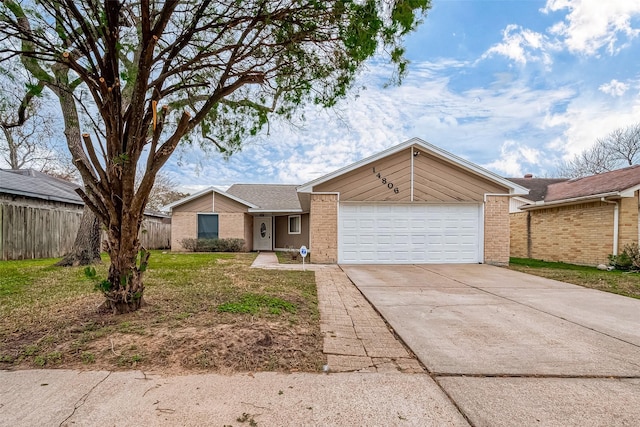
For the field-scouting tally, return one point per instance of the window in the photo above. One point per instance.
(294, 224)
(207, 226)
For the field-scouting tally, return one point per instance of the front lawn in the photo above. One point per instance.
(202, 312)
(617, 282)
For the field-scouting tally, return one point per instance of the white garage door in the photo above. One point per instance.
(408, 234)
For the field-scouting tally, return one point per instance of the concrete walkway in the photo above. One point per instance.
(356, 338)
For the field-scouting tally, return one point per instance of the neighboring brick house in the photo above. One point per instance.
(580, 221)
(277, 213)
(413, 203)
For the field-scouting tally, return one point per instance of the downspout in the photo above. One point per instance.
(616, 221)
(529, 240)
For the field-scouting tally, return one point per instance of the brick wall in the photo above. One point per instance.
(518, 235)
(323, 233)
(496, 230)
(231, 225)
(183, 225)
(628, 222)
(577, 234)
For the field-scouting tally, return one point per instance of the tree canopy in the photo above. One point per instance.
(160, 72)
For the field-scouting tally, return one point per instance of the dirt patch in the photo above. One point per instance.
(208, 341)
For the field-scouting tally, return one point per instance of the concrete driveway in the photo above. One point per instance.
(507, 346)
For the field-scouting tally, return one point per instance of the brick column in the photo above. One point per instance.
(496, 230)
(323, 228)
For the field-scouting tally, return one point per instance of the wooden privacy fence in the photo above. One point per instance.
(32, 232)
(155, 234)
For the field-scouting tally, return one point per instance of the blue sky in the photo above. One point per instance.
(516, 86)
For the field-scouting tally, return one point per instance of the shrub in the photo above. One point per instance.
(213, 245)
(629, 258)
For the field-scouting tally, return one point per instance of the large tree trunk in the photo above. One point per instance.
(124, 290)
(86, 247)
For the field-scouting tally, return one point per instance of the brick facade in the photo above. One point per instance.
(518, 242)
(628, 222)
(232, 226)
(577, 234)
(323, 233)
(496, 230)
(183, 225)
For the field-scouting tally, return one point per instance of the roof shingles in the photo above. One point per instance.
(30, 183)
(603, 183)
(269, 197)
(537, 186)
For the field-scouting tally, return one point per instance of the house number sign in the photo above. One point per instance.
(385, 181)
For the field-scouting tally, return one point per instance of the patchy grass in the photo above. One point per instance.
(202, 312)
(616, 281)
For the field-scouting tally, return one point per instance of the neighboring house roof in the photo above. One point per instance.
(604, 183)
(615, 184)
(435, 151)
(38, 185)
(537, 186)
(206, 191)
(268, 197)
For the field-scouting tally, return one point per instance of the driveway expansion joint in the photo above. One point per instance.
(536, 376)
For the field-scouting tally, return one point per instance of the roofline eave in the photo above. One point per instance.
(571, 201)
(42, 196)
(265, 211)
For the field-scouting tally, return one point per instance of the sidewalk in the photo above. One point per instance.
(355, 336)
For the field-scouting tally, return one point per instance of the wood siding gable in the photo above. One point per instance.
(436, 180)
(223, 204)
(405, 177)
(203, 203)
(387, 179)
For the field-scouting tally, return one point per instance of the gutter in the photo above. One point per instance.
(565, 202)
(616, 222)
(265, 211)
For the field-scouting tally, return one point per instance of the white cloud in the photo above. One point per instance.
(614, 88)
(522, 45)
(514, 158)
(588, 118)
(591, 25)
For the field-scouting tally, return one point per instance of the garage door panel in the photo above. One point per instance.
(377, 233)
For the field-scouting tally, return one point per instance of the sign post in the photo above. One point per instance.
(303, 253)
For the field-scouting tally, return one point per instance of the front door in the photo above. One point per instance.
(262, 227)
